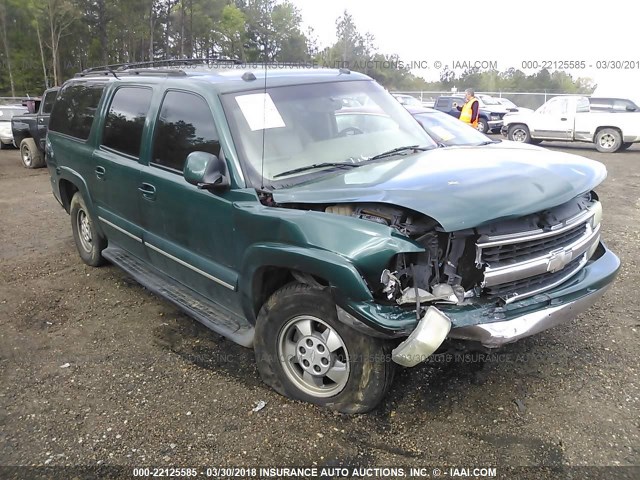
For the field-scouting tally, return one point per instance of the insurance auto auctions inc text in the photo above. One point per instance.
(377, 472)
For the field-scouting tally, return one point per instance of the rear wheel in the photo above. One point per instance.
(519, 133)
(304, 352)
(608, 140)
(30, 155)
(88, 242)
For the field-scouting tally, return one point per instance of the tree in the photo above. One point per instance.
(5, 43)
(61, 15)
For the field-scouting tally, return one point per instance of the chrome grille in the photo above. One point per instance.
(518, 252)
(537, 282)
(519, 265)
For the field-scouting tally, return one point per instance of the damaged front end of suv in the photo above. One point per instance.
(493, 281)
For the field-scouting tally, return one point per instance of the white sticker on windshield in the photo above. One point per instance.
(259, 111)
(1, 113)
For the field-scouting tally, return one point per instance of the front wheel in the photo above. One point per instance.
(608, 140)
(88, 242)
(304, 352)
(483, 125)
(519, 133)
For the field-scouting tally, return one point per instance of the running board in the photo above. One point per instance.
(211, 315)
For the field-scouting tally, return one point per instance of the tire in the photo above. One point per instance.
(30, 155)
(625, 145)
(300, 322)
(483, 126)
(519, 133)
(608, 140)
(88, 242)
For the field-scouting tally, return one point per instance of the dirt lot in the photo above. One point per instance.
(96, 370)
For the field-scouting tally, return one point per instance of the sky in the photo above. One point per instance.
(505, 33)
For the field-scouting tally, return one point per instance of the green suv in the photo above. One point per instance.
(337, 246)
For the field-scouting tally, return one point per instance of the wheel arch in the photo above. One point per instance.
(69, 182)
(599, 129)
(268, 267)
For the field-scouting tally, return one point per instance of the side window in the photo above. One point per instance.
(125, 120)
(185, 125)
(581, 106)
(48, 101)
(441, 103)
(74, 109)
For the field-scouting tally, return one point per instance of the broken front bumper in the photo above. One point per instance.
(495, 325)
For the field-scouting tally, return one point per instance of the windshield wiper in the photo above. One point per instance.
(399, 150)
(316, 165)
(488, 142)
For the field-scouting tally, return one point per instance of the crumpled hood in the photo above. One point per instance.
(460, 187)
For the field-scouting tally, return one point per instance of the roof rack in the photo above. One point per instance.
(149, 67)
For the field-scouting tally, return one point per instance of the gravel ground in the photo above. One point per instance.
(97, 371)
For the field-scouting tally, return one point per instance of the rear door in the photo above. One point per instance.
(115, 179)
(188, 232)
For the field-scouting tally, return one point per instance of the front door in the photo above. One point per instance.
(115, 179)
(43, 117)
(188, 232)
(552, 120)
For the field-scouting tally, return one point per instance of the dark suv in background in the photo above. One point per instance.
(602, 104)
(488, 121)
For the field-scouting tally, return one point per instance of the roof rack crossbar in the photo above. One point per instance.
(120, 67)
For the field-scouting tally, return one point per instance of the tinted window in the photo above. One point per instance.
(48, 101)
(185, 125)
(75, 108)
(125, 119)
(442, 102)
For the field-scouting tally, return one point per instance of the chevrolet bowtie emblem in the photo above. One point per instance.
(559, 260)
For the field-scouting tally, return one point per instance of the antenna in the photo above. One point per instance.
(264, 117)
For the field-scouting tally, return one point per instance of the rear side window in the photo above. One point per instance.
(75, 108)
(441, 102)
(125, 120)
(185, 125)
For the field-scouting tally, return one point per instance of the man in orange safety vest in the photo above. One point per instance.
(469, 111)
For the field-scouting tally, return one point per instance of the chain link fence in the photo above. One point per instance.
(521, 99)
(11, 100)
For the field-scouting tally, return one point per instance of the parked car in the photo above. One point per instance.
(407, 100)
(446, 131)
(605, 104)
(336, 251)
(570, 119)
(489, 120)
(510, 106)
(7, 112)
(30, 130)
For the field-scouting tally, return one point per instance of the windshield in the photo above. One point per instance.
(450, 131)
(7, 113)
(507, 103)
(490, 100)
(316, 125)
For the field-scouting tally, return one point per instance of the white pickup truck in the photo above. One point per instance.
(570, 119)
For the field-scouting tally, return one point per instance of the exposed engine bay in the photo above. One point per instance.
(506, 259)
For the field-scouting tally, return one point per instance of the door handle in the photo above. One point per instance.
(564, 119)
(100, 171)
(148, 191)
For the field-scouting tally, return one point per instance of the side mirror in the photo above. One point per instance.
(206, 171)
(630, 108)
